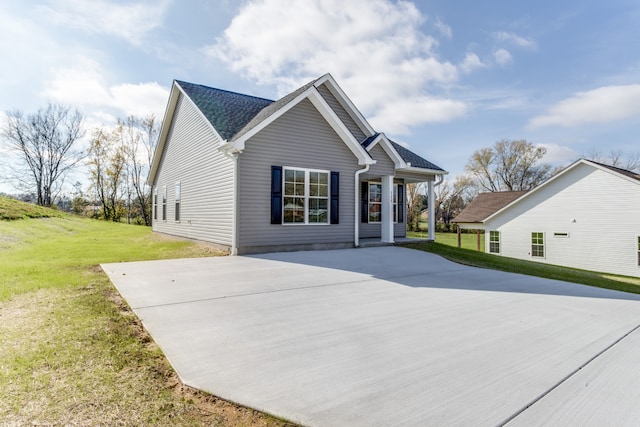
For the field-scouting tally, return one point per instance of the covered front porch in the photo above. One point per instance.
(384, 207)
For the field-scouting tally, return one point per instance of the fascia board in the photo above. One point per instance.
(398, 161)
(346, 103)
(164, 131)
(423, 170)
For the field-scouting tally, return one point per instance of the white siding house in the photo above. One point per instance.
(586, 217)
(304, 172)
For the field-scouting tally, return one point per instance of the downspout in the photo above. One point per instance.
(234, 210)
(356, 231)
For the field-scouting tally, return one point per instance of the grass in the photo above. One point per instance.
(72, 351)
(11, 209)
(447, 248)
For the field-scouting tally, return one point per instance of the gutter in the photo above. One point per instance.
(356, 231)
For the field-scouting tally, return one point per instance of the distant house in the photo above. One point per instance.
(587, 217)
(253, 175)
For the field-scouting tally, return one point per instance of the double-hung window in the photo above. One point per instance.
(375, 202)
(639, 251)
(177, 211)
(155, 202)
(164, 203)
(306, 196)
(494, 242)
(537, 244)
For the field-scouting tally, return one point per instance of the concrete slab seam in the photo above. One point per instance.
(564, 379)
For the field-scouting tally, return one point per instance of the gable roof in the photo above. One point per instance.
(621, 171)
(486, 204)
(481, 218)
(236, 117)
(228, 112)
(413, 159)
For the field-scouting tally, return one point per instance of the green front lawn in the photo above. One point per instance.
(446, 246)
(72, 352)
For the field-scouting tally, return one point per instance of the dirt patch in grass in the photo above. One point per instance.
(81, 357)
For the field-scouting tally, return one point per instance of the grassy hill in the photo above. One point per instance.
(11, 209)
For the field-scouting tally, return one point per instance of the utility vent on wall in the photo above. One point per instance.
(560, 234)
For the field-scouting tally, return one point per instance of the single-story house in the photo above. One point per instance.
(587, 217)
(304, 172)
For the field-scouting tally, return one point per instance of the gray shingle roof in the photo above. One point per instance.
(415, 160)
(228, 112)
(486, 204)
(626, 172)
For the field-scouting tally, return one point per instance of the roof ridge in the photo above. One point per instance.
(180, 82)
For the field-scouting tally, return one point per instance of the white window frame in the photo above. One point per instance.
(164, 203)
(178, 204)
(638, 251)
(155, 202)
(369, 202)
(307, 196)
(496, 241)
(544, 250)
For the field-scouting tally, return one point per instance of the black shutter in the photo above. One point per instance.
(400, 203)
(335, 204)
(276, 194)
(364, 202)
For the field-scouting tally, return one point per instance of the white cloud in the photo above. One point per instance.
(443, 28)
(129, 21)
(602, 105)
(558, 154)
(374, 48)
(502, 57)
(85, 87)
(398, 115)
(515, 39)
(471, 63)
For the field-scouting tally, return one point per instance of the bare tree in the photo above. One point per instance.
(615, 158)
(510, 165)
(138, 138)
(45, 143)
(107, 163)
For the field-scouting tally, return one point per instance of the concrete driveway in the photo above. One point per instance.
(391, 336)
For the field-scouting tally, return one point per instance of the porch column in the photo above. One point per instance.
(431, 210)
(387, 209)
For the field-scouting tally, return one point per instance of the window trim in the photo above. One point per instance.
(394, 197)
(155, 202)
(307, 197)
(178, 201)
(540, 236)
(164, 202)
(492, 241)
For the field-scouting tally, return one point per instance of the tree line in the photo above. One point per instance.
(47, 147)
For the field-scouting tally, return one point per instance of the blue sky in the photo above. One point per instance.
(443, 78)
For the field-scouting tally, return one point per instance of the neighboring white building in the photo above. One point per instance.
(586, 217)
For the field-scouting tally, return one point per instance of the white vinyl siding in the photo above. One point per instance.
(599, 211)
(494, 242)
(301, 138)
(191, 157)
